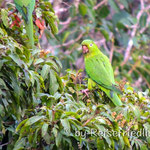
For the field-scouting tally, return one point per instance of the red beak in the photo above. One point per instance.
(85, 49)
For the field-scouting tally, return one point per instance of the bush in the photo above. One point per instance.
(43, 108)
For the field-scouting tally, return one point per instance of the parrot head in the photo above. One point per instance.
(89, 47)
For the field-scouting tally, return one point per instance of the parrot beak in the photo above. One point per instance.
(85, 49)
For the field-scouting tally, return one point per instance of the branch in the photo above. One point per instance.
(12, 13)
(134, 66)
(96, 112)
(100, 4)
(70, 42)
(66, 24)
(111, 51)
(132, 122)
(146, 57)
(143, 78)
(130, 43)
(6, 143)
(88, 121)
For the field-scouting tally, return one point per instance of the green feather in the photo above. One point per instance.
(26, 7)
(99, 69)
(29, 30)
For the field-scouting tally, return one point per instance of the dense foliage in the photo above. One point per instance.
(41, 101)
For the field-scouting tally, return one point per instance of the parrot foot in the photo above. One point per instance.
(85, 92)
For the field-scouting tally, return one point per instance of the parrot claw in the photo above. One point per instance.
(85, 92)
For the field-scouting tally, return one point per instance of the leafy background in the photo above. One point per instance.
(41, 103)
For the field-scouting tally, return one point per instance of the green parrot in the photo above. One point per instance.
(26, 7)
(99, 71)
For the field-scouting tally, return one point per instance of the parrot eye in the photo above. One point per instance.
(91, 45)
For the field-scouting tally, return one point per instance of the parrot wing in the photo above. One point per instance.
(108, 67)
(99, 70)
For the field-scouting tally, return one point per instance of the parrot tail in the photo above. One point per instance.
(116, 100)
(116, 89)
(29, 31)
(113, 96)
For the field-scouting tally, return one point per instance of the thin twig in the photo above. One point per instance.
(66, 4)
(131, 125)
(143, 68)
(146, 57)
(130, 43)
(61, 10)
(66, 24)
(88, 121)
(138, 82)
(76, 3)
(6, 143)
(134, 66)
(111, 51)
(143, 77)
(96, 112)
(12, 13)
(70, 42)
(100, 4)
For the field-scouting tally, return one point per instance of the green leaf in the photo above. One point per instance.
(61, 86)
(53, 85)
(35, 135)
(82, 9)
(16, 59)
(91, 14)
(31, 137)
(38, 61)
(105, 33)
(58, 139)
(124, 18)
(65, 37)
(121, 141)
(65, 123)
(5, 103)
(136, 111)
(52, 64)
(1, 109)
(33, 120)
(21, 124)
(103, 12)
(113, 5)
(144, 147)
(2, 83)
(57, 95)
(90, 3)
(125, 3)
(126, 141)
(45, 71)
(143, 20)
(55, 131)
(35, 52)
(100, 144)
(20, 144)
(70, 113)
(147, 127)
(4, 15)
(58, 62)
(44, 129)
(135, 42)
(47, 138)
(51, 18)
(50, 115)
